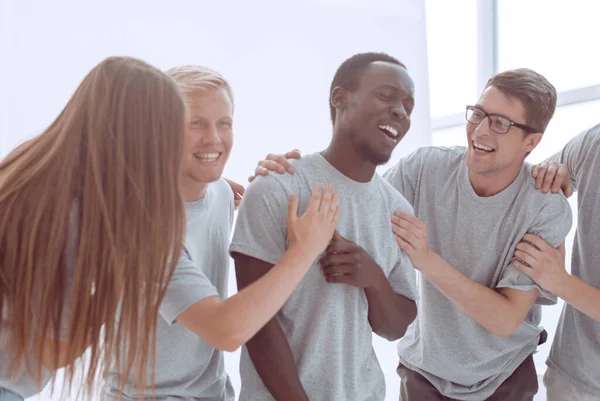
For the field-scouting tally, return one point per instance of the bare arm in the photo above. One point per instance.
(390, 313)
(581, 295)
(499, 311)
(268, 349)
(228, 324)
(546, 267)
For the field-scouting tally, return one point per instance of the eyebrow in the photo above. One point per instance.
(494, 114)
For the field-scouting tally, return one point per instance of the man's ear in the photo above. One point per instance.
(339, 98)
(532, 140)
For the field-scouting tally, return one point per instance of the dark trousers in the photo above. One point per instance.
(522, 385)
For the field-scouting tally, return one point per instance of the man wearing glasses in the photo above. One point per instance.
(478, 317)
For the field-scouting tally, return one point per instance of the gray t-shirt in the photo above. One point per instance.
(575, 352)
(478, 236)
(25, 385)
(188, 368)
(326, 325)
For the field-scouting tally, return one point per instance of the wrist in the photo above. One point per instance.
(426, 264)
(302, 253)
(378, 279)
(563, 286)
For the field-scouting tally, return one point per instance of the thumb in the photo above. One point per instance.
(292, 210)
(337, 236)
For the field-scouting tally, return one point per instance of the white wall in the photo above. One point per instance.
(279, 56)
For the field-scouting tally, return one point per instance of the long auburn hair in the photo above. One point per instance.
(109, 164)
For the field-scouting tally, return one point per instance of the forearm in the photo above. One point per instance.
(581, 296)
(241, 316)
(274, 362)
(389, 312)
(486, 306)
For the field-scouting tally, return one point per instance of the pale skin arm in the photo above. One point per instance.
(546, 267)
(228, 324)
(499, 311)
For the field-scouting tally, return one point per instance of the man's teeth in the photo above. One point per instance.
(482, 148)
(389, 129)
(208, 156)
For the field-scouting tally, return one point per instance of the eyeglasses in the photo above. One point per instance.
(497, 123)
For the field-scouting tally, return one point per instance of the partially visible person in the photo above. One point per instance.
(90, 212)
(574, 363)
(319, 346)
(196, 320)
(478, 317)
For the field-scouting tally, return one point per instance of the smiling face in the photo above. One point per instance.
(492, 154)
(377, 114)
(208, 137)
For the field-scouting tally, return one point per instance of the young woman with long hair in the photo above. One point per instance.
(90, 214)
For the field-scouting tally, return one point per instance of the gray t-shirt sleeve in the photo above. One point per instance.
(552, 224)
(575, 152)
(261, 226)
(188, 285)
(403, 278)
(405, 175)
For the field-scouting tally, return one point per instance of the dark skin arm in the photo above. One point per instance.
(389, 312)
(269, 349)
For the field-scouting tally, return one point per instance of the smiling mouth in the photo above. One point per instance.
(390, 131)
(479, 148)
(208, 157)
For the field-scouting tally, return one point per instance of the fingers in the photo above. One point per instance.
(315, 199)
(525, 257)
(537, 242)
(406, 235)
(326, 200)
(568, 189)
(282, 160)
(539, 172)
(292, 210)
(409, 218)
(341, 246)
(338, 270)
(333, 209)
(340, 279)
(336, 217)
(272, 165)
(260, 170)
(332, 259)
(293, 154)
(562, 174)
(550, 177)
(522, 267)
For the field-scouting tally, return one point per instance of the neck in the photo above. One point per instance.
(486, 185)
(347, 160)
(192, 190)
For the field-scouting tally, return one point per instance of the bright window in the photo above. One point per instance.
(555, 38)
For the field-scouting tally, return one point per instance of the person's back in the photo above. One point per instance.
(575, 352)
(187, 366)
(326, 325)
(478, 235)
(87, 222)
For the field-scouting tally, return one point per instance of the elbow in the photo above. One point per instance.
(229, 338)
(228, 345)
(398, 330)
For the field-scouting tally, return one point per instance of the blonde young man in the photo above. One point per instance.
(195, 320)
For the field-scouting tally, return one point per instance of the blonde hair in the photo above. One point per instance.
(113, 158)
(194, 78)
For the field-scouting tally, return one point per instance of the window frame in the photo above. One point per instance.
(487, 66)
